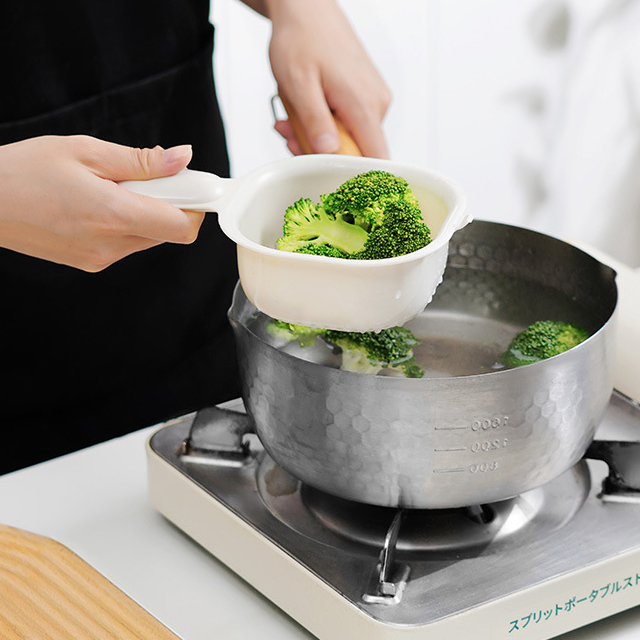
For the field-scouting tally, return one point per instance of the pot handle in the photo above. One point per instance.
(347, 145)
(216, 435)
(623, 459)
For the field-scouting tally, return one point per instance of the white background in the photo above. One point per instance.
(484, 93)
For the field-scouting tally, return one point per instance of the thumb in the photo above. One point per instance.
(118, 162)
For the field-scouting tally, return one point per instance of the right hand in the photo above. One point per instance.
(322, 69)
(60, 201)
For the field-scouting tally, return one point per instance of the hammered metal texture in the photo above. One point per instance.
(445, 442)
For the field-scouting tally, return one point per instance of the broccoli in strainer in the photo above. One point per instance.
(372, 215)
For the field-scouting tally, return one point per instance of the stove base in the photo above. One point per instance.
(585, 570)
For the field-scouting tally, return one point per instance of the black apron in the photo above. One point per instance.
(87, 357)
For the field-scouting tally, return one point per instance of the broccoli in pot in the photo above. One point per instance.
(370, 352)
(541, 340)
(288, 332)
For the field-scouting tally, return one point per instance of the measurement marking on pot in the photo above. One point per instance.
(449, 428)
(457, 470)
(448, 449)
(486, 424)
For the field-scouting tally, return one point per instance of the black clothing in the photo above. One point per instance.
(86, 357)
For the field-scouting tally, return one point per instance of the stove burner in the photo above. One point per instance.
(444, 532)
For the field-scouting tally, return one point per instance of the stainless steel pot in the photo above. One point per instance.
(458, 436)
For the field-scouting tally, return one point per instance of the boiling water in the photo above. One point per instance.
(457, 345)
(450, 344)
(468, 325)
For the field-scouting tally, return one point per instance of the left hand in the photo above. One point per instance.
(59, 200)
(322, 68)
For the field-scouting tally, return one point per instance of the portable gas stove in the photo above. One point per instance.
(532, 567)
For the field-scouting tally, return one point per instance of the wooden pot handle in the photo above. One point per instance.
(347, 147)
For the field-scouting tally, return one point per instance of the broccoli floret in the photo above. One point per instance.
(364, 198)
(410, 368)
(371, 351)
(288, 332)
(356, 360)
(307, 223)
(321, 250)
(372, 215)
(368, 352)
(402, 231)
(542, 340)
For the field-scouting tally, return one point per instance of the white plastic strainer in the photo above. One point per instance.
(347, 295)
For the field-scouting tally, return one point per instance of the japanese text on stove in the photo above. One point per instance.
(573, 603)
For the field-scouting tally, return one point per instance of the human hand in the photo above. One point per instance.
(60, 201)
(321, 67)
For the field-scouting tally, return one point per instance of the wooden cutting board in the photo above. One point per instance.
(47, 592)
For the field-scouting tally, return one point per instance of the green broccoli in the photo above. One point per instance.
(307, 224)
(368, 352)
(543, 339)
(371, 352)
(371, 216)
(402, 231)
(363, 199)
(306, 336)
(321, 250)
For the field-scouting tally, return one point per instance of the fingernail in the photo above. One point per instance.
(326, 143)
(177, 154)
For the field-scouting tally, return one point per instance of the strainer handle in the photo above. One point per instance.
(189, 190)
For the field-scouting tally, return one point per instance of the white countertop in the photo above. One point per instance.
(94, 501)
